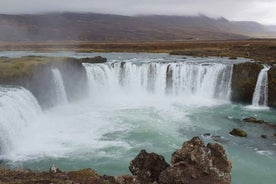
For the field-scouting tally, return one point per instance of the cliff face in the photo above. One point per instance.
(272, 86)
(244, 79)
(35, 74)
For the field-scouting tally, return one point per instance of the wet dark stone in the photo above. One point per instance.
(238, 132)
(263, 136)
(196, 163)
(253, 120)
(148, 166)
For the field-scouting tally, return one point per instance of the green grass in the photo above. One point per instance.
(12, 68)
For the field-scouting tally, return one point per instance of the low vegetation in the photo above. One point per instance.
(257, 49)
(11, 68)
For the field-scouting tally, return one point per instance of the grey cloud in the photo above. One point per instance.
(257, 10)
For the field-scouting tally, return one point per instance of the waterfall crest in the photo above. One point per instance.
(18, 108)
(61, 96)
(260, 95)
(204, 80)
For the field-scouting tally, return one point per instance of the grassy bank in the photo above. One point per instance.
(263, 50)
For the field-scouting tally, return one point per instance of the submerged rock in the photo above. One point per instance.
(256, 121)
(196, 163)
(253, 120)
(238, 132)
(147, 166)
(219, 139)
(263, 136)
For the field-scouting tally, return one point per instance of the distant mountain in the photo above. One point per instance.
(110, 28)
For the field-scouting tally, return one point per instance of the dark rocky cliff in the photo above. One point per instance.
(272, 86)
(244, 79)
(35, 74)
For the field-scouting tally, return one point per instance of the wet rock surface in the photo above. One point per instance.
(147, 166)
(97, 59)
(258, 121)
(253, 120)
(244, 80)
(272, 86)
(238, 132)
(194, 163)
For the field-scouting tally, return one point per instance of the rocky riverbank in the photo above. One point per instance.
(193, 163)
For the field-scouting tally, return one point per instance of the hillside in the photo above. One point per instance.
(109, 28)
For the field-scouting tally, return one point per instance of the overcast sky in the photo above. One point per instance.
(263, 11)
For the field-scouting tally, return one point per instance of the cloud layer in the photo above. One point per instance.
(262, 11)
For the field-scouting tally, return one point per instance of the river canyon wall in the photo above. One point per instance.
(35, 74)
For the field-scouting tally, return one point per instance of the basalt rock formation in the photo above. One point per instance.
(148, 166)
(244, 79)
(196, 163)
(97, 59)
(35, 74)
(272, 86)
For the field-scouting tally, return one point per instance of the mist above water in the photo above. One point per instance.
(135, 101)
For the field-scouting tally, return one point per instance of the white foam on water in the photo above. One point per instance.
(200, 83)
(260, 95)
(18, 111)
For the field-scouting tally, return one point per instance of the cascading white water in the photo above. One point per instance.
(60, 91)
(260, 95)
(18, 108)
(203, 80)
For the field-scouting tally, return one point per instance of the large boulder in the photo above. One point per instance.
(147, 166)
(244, 80)
(238, 132)
(196, 163)
(272, 86)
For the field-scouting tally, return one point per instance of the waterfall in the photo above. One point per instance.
(60, 92)
(260, 95)
(205, 80)
(18, 108)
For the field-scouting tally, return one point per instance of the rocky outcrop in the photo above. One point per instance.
(238, 132)
(194, 163)
(259, 121)
(272, 86)
(253, 120)
(244, 80)
(97, 59)
(148, 166)
(35, 74)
